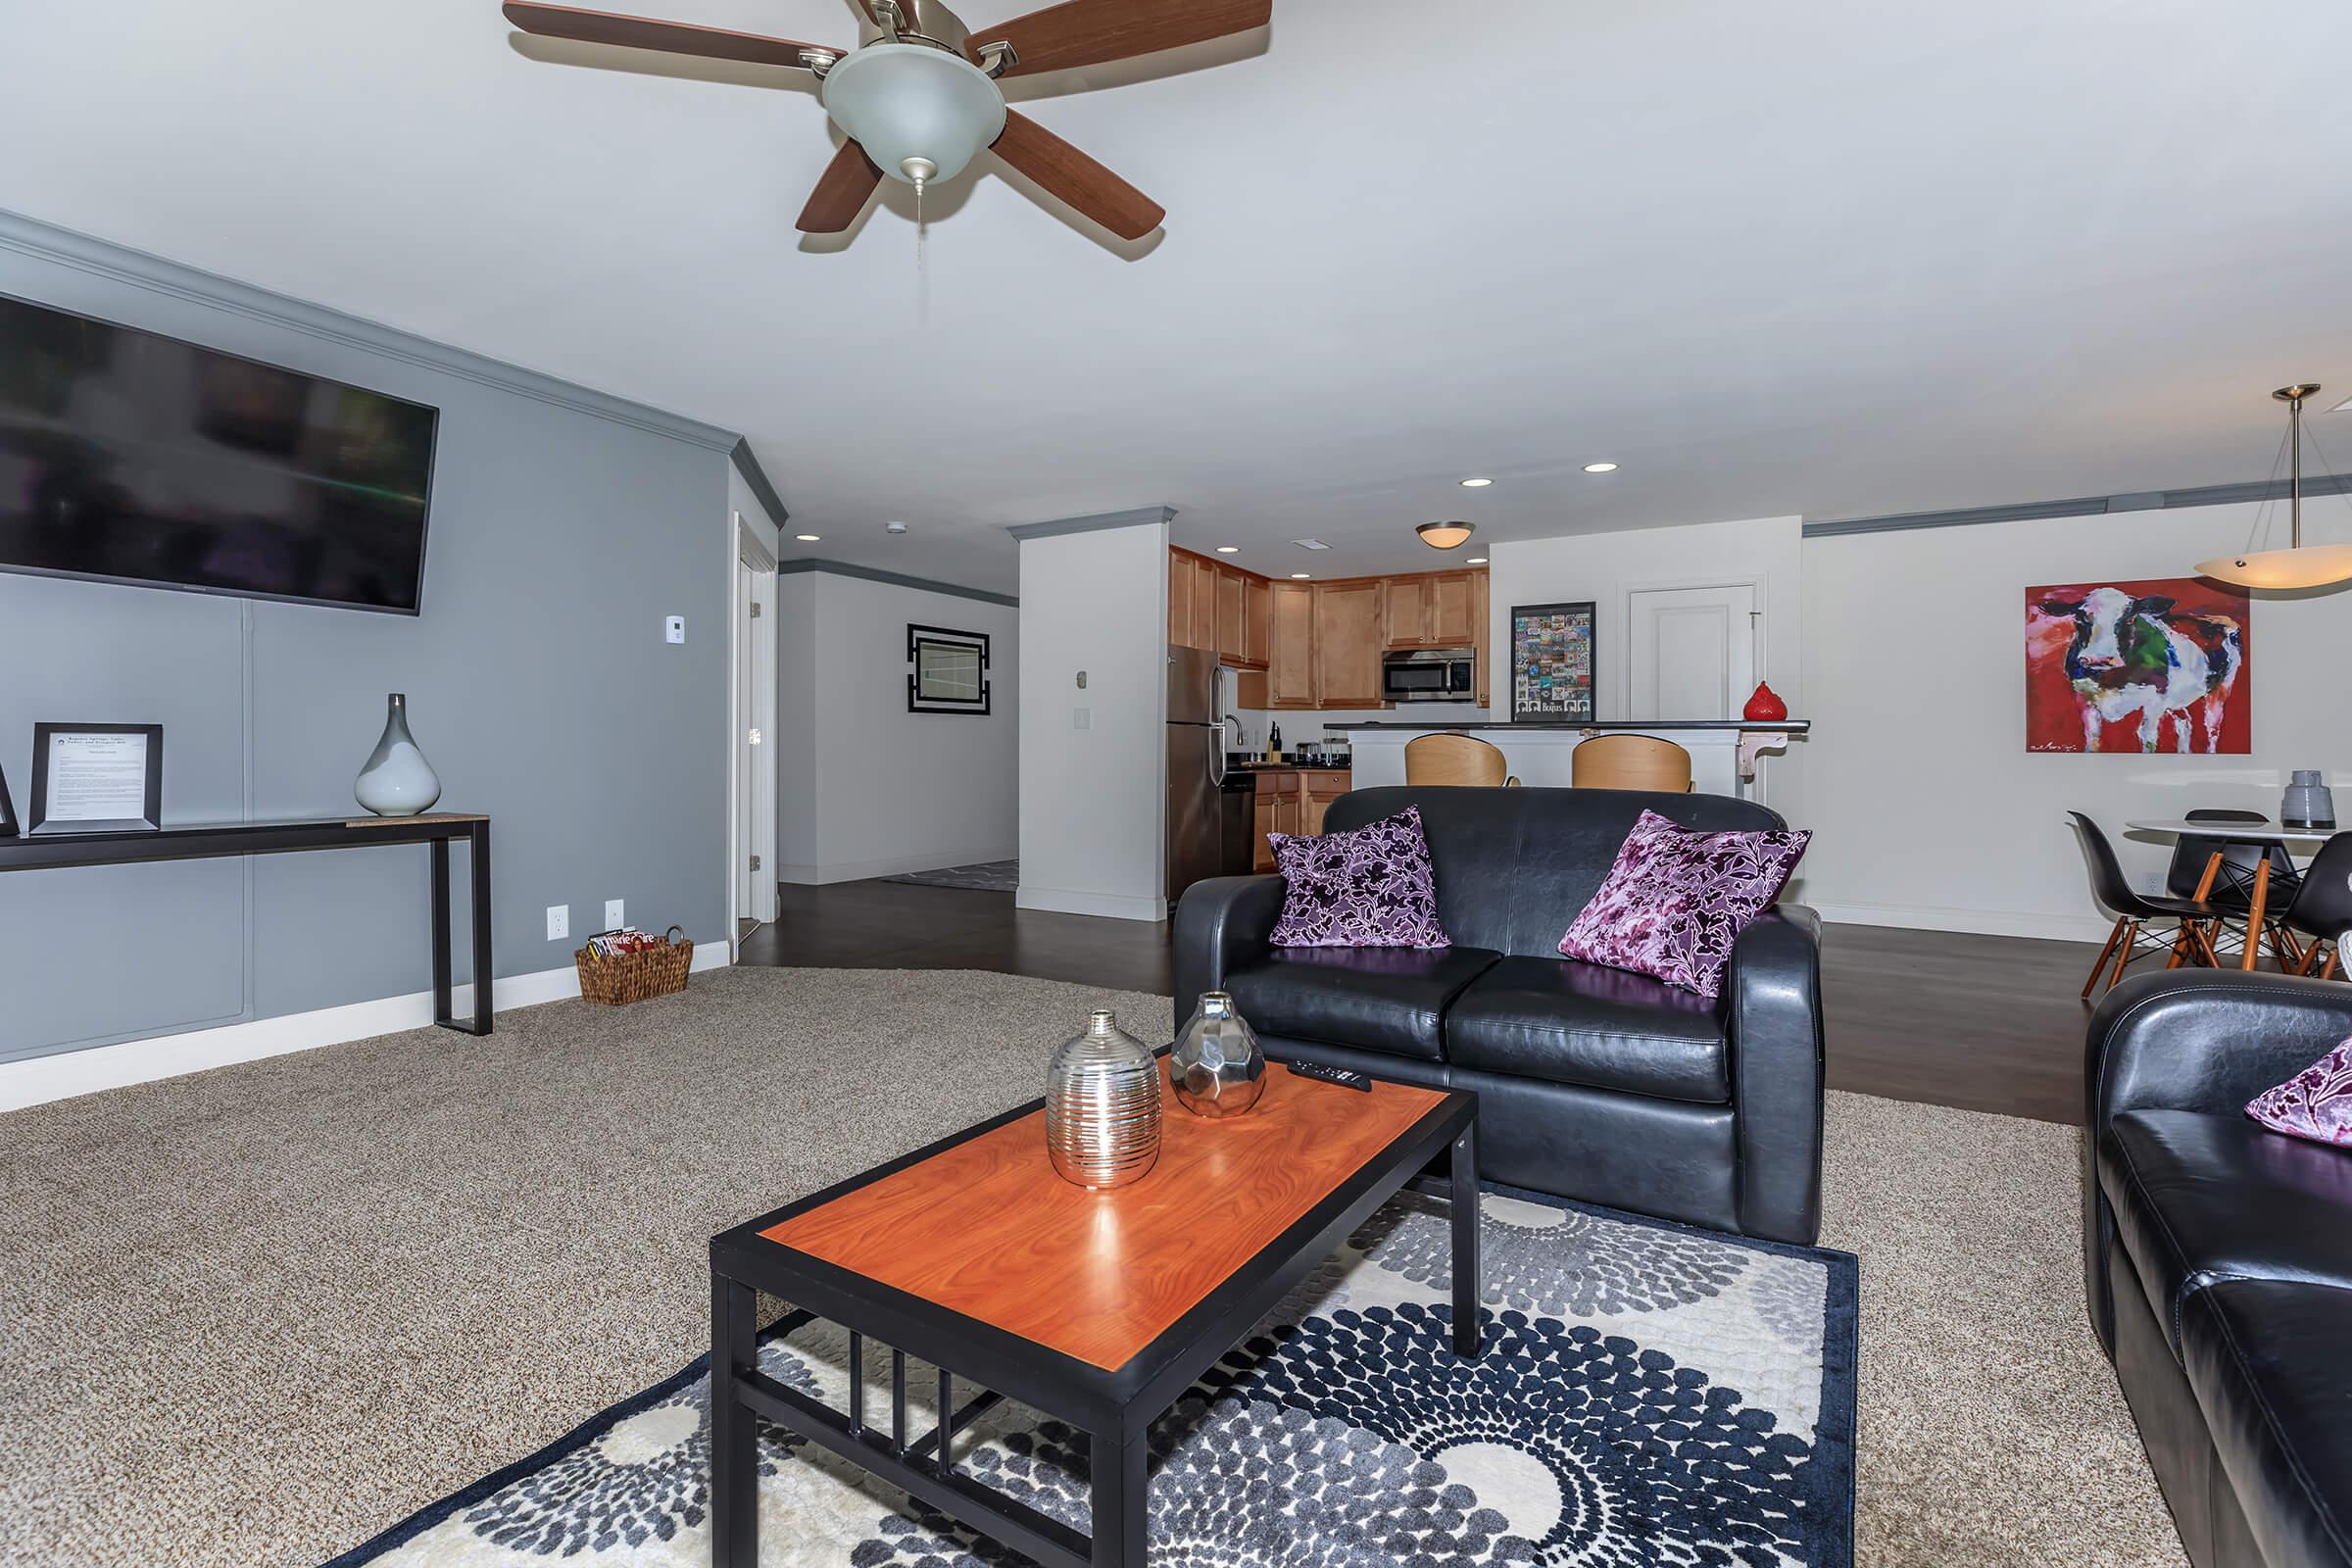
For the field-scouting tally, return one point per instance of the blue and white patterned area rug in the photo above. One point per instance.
(1649, 1394)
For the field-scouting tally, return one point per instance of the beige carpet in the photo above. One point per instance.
(254, 1315)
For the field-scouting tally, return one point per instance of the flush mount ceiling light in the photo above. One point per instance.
(1229, 550)
(1446, 535)
(1475, 561)
(806, 538)
(2299, 565)
(1300, 575)
(917, 108)
(1476, 484)
(1601, 468)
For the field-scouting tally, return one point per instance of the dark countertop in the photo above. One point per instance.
(1793, 726)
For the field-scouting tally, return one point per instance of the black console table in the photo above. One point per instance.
(217, 839)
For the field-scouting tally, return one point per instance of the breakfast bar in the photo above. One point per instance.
(1725, 754)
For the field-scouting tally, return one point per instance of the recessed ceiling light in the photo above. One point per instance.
(1228, 550)
(1310, 543)
(1476, 484)
(1601, 468)
(805, 538)
(1475, 561)
(1300, 574)
(1446, 535)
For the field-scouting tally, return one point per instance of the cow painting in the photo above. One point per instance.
(2137, 666)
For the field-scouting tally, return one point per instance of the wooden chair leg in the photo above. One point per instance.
(2335, 955)
(2130, 936)
(2254, 914)
(2114, 932)
(2288, 950)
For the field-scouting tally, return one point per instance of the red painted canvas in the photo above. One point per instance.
(2138, 666)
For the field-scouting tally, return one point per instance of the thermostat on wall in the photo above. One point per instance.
(674, 628)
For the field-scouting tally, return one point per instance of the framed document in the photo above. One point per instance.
(1551, 662)
(97, 778)
(950, 670)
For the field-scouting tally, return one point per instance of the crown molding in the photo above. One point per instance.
(2211, 495)
(1138, 518)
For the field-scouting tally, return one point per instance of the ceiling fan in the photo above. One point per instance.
(918, 109)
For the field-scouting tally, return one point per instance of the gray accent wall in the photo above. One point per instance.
(565, 525)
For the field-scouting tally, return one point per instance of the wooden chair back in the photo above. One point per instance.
(1630, 762)
(1453, 759)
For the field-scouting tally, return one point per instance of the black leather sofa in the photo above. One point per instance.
(1593, 1083)
(2217, 1259)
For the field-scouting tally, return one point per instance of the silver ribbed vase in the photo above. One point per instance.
(1216, 1068)
(1103, 1105)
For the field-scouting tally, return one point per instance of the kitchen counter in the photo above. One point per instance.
(1640, 727)
(1726, 754)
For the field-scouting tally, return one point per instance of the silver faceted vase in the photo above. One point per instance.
(1216, 1068)
(397, 781)
(1103, 1105)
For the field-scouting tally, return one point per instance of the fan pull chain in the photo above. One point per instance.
(922, 260)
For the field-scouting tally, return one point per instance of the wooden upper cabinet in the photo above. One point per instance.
(1291, 647)
(1404, 622)
(1257, 620)
(1452, 615)
(1347, 643)
(1233, 638)
(1480, 637)
(1180, 598)
(1204, 603)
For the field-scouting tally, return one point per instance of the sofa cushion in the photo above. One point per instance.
(1675, 901)
(1577, 1023)
(1365, 886)
(1388, 999)
(2199, 1197)
(2265, 1359)
(2315, 1103)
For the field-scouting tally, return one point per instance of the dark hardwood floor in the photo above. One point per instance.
(1983, 1023)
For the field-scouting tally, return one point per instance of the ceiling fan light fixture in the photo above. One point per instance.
(1446, 535)
(921, 114)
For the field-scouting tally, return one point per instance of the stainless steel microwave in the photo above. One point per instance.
(1430, 676)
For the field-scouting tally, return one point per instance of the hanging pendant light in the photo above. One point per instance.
(2299, 565)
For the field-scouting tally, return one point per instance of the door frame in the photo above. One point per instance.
(751, 704)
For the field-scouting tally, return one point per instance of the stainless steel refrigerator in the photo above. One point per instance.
(1198, 831)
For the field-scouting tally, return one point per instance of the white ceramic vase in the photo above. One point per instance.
(397, 781)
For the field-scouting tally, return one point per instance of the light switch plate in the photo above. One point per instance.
(674, 628)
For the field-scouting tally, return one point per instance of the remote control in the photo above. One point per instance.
(1342, 1076)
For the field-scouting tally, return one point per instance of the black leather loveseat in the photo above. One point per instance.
(1593, 1084)
(2218, 1258)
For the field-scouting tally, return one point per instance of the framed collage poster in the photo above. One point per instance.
(1551, 662)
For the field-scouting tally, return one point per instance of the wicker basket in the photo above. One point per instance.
(635, 976)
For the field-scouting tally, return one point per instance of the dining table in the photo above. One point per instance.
(2291, 838)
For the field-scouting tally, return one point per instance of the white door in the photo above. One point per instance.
(1693, 652)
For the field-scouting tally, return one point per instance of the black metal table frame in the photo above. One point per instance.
(221, 840)
(1114, 1408)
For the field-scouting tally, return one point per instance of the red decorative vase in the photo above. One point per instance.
(1766, 705)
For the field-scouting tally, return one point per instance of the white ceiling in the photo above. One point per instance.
(1836, 256)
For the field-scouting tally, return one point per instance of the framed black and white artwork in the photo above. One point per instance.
(97, 778)
(950, 673)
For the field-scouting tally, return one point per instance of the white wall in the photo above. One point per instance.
(866, 788)
(1094, 801)
(1930, 810)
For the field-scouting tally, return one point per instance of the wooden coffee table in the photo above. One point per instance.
(1097, 1308)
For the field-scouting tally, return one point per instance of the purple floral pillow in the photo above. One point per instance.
(2315, 1103)
(1675, 901)
(1364, 887)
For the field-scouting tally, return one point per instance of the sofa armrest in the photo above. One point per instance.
(1772, 1005)
(2206, 1040)
(1222, 923)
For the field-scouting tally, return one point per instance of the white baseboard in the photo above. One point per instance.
(1981, 922)
(890, 865)
(1068, 901)
(38, 1079)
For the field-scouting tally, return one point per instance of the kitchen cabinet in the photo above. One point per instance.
(1257, 619)
(1347, 642)
(1291, 652)
(1451, 614)
(1405, 618)
(1482, 621)
(1317, 789)
(1204, 603)
(1233, 620)
(1180, 599)
(1261, 854)
(1291, 800)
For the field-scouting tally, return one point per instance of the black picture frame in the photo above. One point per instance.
(151, 816)
(1578, 703)
(8, 809)
(923, 696)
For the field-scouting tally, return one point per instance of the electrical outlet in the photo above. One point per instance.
(559, 922)
(674, 627)
(614, 918)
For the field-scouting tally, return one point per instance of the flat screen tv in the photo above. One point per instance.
(132, 458)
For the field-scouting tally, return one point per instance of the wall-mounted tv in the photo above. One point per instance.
(133, 458)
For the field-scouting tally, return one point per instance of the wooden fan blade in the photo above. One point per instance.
(842, 191)
(1076, 179)
(644, 33)
(1090, 32)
